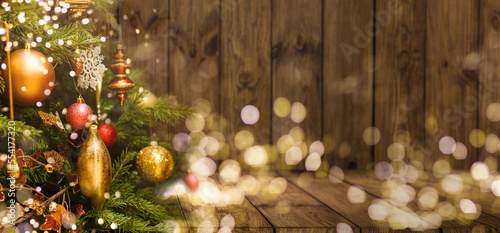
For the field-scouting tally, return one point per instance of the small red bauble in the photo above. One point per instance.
(191, 181)
(108, 133)
(78, 114)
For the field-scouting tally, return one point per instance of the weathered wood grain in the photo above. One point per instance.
(374, 186)
(106, 29)
(489, 68)
(246, 217)
(348, 80)
(450, 92)
(472, 190)
(305, 212)
(194, 34)
(296, 63)
(246, 67)
(145, 39)
(324, 190)
(399, 75)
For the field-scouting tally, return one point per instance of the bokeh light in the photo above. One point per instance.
(336, 175)
(452, 184)
(250, 114)
(479, 171)
(281, 107)
(313, 162)
(371, 136)
(256, 156)
(356, 194)
(317, 147)
(298, 112)
(459, 151)
(441, 168)
(384, 170)
(477, 138)
(493, 112)
(446, 145)
(243, 139)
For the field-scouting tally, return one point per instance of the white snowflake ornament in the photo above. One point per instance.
(93, 69)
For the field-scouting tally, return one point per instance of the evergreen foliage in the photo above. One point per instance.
(133, 204)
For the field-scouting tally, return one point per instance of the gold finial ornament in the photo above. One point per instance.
(120, 83)
(77, 5)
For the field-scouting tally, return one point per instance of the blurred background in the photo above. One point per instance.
(373, 80)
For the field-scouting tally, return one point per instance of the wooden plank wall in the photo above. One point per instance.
(402, 74)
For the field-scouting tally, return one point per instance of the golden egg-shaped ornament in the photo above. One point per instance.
(94, 169)
(33, 76)
(154, 163)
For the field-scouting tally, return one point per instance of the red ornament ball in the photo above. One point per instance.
(108, 133)
(191, 181)
(78, 114)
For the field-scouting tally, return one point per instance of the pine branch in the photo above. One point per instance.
(133, 204)
(121, 167)
(21, 129)
(125, 223)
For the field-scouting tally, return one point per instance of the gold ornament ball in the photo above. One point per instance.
(154, 163)
(32, 75)
(149, 99)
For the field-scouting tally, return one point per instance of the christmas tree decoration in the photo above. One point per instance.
(2, 194)
(27, 161)
(94, 169)
(78, 114)
(191, 181)
(77, 65)
(78, 5)
(53, 221)
(50, 176)
(154, 163)
(75, 138)
(120, 83)
(149, 99)
(36, 204)
(108, 133)
(93, 69)
(14, 169)
(54, 159)
(33, 76)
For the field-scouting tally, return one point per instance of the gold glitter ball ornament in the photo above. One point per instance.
(154, 163)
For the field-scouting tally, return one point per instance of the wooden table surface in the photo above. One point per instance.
(323, 206)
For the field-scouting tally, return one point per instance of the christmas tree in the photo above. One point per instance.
(73, 159)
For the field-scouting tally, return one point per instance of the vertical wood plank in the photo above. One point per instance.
(106, 29)
(194, 51)
(452, 34)
(145, 39)
(246, 66)
(145, 33)
(489, 72)
(348, 81)
(296, 63)
(400, 75)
